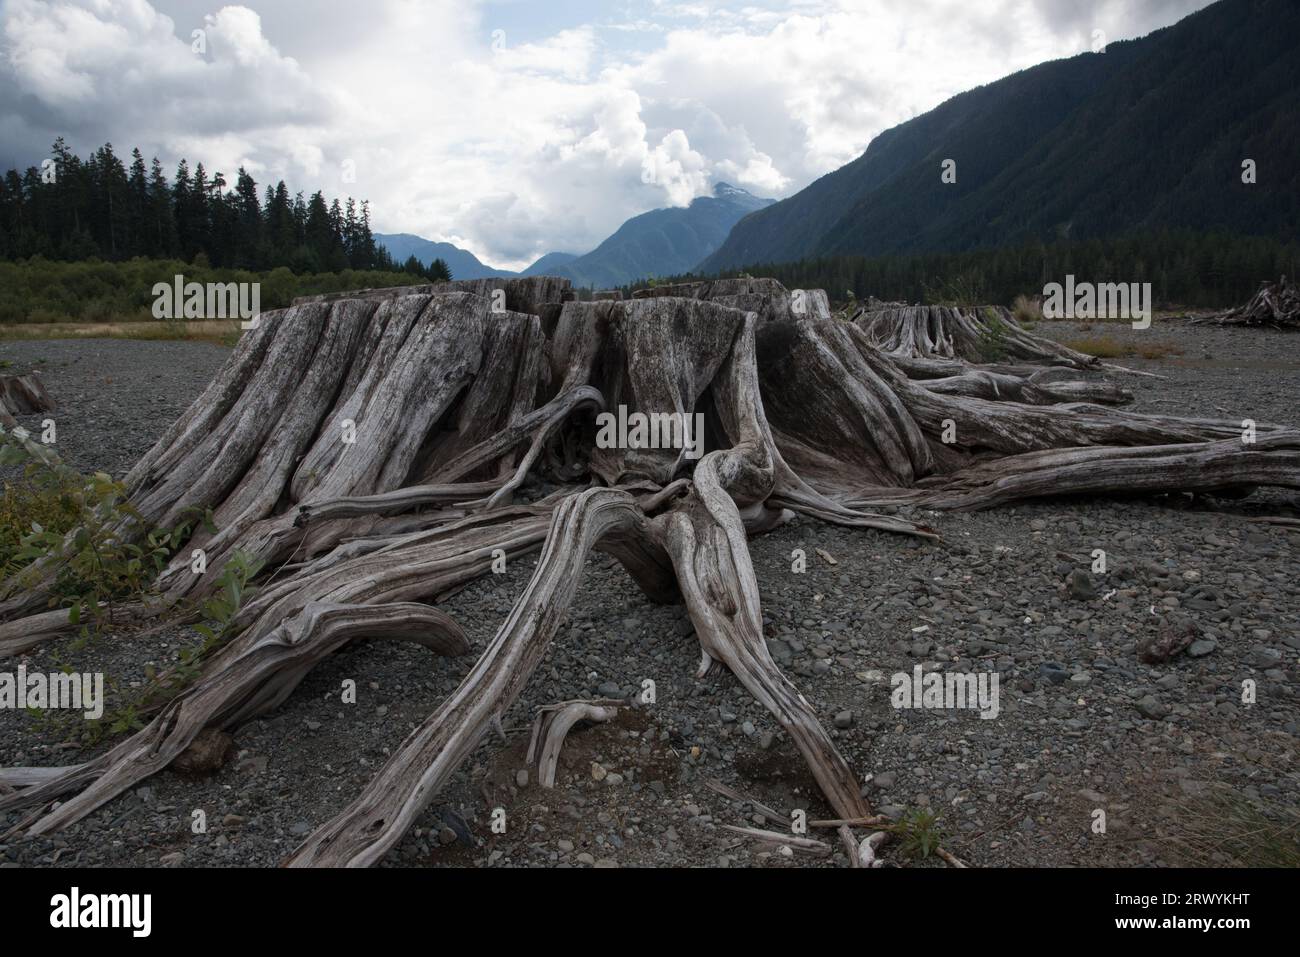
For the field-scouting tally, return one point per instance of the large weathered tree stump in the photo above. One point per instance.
(376, 451)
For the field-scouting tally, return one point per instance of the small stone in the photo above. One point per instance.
(446, 835)
(597, 772)
(585, 858)
(206, 754)
(1150, 707)
(1054, 673)
(1082, 587)
(565, 847)
(253, 764)
(232, 820)
(521, 778)
(1199, 649)
(844, 719)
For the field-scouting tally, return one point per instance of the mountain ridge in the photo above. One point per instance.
(664, 242)
(1051, 151)
(659, 242)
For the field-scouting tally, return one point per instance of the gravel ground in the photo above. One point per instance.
(1083, 724)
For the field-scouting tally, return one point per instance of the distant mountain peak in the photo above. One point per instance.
(725, 190)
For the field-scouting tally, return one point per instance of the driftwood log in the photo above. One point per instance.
(1277, 304)
(378, 451)
(22, 395)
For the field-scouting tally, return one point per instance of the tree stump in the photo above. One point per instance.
(22, 395)
(375, 450)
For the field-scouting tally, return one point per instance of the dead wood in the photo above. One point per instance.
(381, 450)
(553, 725)
(800, 845)
(1276, 305)
(22, 395)
(985, 334)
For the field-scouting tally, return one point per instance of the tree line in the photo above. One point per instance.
(76, 209)
(1185, 268)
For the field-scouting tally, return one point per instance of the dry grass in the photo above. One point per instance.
(1224, 829)
(219, 331)
(1027, 310)
(1108, 347)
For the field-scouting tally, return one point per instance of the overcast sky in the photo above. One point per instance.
(515, 128)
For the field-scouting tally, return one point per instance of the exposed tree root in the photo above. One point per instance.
(985, 334)
(243, 684)
(552, 726)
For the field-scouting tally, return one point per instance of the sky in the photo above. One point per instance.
(516, 127)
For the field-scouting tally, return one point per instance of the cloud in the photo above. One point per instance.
(504, 127)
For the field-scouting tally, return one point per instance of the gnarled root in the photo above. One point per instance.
(238, 687)
(552, 726)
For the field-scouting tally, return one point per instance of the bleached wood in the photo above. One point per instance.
(475, 441)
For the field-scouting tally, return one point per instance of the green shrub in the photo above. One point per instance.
(39, 290)
(82, 529)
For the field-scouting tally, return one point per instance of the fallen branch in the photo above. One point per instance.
(800, 845)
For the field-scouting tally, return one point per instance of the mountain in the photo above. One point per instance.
(547, 265)
(463, 264)
(663, 242)
(1151, 133)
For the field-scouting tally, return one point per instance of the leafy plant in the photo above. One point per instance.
(219, 611)
(83, 530)
(918, 833)
(993, 337)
